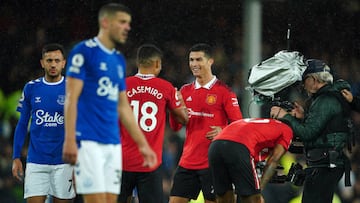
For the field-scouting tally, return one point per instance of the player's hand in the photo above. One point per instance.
(178, 94)
(70, 151)
(150, 158)
(215, 130)
(180, 97)
(17, 170)
(347, 95)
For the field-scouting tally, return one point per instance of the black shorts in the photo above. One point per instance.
(148, 185)
(231, 164)
(188, 183)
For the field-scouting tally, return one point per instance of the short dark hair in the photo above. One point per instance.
(53, 47)
(202, 47)
(112, 8)
(147, 51)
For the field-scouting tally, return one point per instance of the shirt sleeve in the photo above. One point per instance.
(20, 134)
(76, 62)
(316, 119)
(174, 101)
(232, 107)
(286, 138)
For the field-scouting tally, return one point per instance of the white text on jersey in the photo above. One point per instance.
(106, 88)
(145, 89)
(50, 120)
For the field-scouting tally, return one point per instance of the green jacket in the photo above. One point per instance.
(325, 122)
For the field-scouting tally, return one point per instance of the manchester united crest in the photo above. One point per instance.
(211, 99)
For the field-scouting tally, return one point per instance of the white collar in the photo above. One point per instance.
(207, 85)
(145, 76)
(102, 47)
(53, 83)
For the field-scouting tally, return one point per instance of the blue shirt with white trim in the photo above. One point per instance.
(42, 103)
(103, 73)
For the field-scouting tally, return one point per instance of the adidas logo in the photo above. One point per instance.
(189, 99)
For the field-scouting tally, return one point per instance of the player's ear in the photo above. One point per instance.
(104, 22)
(42, 63)
(64, 63)
(158, 64)
(211, 61)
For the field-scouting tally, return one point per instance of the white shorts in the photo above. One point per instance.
(54, 180)
(98, 168)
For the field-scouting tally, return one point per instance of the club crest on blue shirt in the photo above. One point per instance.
(61, 99)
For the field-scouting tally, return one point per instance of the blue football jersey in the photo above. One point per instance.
(103, 73)
(42, 103)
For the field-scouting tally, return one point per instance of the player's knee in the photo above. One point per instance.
(227, 196)
(257, 198)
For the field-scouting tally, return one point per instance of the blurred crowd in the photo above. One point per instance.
(328, 31)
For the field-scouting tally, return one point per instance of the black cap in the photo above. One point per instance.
(315, 66)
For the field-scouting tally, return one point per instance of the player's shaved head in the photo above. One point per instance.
(109, 10)
(147, 53)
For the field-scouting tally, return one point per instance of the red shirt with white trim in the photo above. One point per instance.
(149, 98)
(211, 105)
(259, 135)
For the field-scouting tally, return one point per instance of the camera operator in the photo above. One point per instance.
(323, 129)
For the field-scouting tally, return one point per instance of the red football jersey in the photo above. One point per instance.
(212, 105)
(258, 135)
(149, 98)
